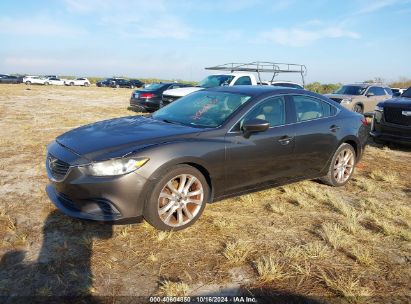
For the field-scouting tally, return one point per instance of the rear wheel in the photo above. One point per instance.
(178, 199)
(72, 83)
(341, 166)
(358, 108)
(28, 82)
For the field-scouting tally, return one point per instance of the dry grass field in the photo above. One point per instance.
(301, 241)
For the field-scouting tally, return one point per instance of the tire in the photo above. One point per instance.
(46, 83)
(336, 167)
(86, 84)
(172, 205)
(358, 108)
(28, 82)
(71, 83)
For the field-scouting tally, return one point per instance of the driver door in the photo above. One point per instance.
(265, 157)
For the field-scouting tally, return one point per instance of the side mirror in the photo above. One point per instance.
(370, 94)
(254, 125)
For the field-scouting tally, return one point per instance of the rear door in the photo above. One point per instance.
(264, 157)
(316, 136)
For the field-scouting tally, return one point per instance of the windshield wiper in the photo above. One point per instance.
(173, 122)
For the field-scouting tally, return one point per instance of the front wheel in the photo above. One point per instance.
(86, 84)
(341, 166)
(178, 199)
(28, 82)
(358, 108)
(72, 83)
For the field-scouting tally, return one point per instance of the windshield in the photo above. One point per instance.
(216, 81)
(154, 86)
(407, 93)
(201, 109)
(351, 90)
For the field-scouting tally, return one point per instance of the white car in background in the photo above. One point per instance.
(78, 82)
(35, 80)
(285, 84)
(57, 81)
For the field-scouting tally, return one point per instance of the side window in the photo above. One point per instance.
(271, 110)
(308, 108)
(389, 91)
(244, 80)
(378, 91)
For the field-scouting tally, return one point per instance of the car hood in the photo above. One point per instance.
(180, 92)
(400, 102)
(118, 137)
(341, 96)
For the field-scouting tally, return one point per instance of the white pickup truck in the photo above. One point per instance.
(229, 79)
(240, 74)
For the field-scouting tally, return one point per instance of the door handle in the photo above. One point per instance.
(334, 128)
(285, 140)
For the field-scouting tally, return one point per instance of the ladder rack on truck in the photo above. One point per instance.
(263, 67)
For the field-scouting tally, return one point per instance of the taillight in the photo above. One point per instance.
(146, 95)
(364, 121)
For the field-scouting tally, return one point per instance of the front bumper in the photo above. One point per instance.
(391, 137)
(113, 198)
(385, 131)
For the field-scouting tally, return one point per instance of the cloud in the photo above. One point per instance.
(146, 19)
(38, 25)
(298, 37)
(376, 5)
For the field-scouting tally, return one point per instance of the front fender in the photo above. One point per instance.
(206, 155)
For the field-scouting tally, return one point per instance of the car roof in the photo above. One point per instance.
(255, 90)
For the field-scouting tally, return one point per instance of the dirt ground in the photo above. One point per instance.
(301, 241)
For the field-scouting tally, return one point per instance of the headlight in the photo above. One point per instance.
(346, 101)
(379, 108)
(115, 166)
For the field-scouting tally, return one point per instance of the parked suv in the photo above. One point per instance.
(392, 120)
(105, 83)
(10, 79)
(361, 98)
(127, 83)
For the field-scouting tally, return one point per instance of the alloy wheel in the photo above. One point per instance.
(344, 165)
(180, 200)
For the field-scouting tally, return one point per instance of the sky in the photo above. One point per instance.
(338, 41)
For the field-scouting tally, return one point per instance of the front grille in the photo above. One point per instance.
(57, 168)
(395, 116)
(167, 99)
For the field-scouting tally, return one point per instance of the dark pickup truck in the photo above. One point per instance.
(392, 120)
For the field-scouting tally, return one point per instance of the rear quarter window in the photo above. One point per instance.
(309, 108)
